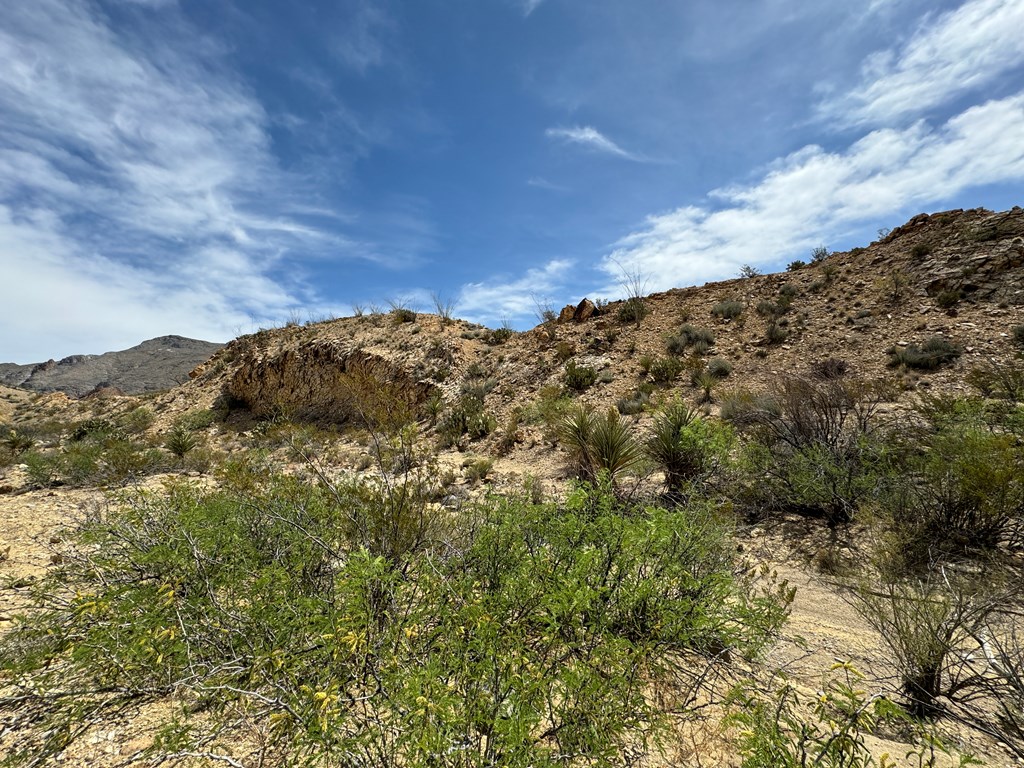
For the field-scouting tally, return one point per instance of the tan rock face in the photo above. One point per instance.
(322, 381)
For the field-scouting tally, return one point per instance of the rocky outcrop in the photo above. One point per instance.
(325, 381)
(578, 314)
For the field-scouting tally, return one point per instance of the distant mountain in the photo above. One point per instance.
(156, 364)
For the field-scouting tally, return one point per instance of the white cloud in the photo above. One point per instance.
(134, 180)
(958, 52)
(504, 298)
(813, 196)
(591, 138)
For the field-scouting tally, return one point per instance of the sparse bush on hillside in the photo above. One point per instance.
(1018, 335)
(632, 310)
(999, 379)
(921, 249)
(819, 254)
(634, 404)
(796, 264)
(774, 333)
(959, 492)
(700, 340)
(932, 354)
(403, 315)
(727, 310)
(829, 369)
(931, 625)
(811, 448)
(578, 377)
(747, 271)
(666, 369)
(949, 298)
(719, 367)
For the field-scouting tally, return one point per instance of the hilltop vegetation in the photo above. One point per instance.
(402, 539)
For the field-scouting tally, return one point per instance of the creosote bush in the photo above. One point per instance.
(344, 624)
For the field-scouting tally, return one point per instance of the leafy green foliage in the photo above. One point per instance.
(812, 447)
(960, 492)
(777, 732)
(530, 635)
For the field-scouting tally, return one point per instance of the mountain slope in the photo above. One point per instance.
(155, 364)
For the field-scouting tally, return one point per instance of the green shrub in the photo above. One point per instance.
(779, 730)
(685, 447)
(564, 350)
(727, 310)
(137, 420)
(632, 310)
(665, 370)
(960, 493)
(17, 442)
(949, 298)
(700, 339)
(812, 447)
(403, 315)
(921, 249)
(196, 421)
(796, 264)
(774, 333)
(578, 377)
(515, 641)
(932, 354)
(499, 336)
(719, 367)
(819, 254)
(636, 403)
(477, 470)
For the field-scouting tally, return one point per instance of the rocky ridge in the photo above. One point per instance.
(156, 364)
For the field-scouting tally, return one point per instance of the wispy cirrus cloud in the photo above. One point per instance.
(138, 179)
(957, 52)
(812, 196)
(529, 6)
(589, 138)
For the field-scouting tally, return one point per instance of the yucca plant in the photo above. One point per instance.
(181, 441)
(598, 443)
(685, 446)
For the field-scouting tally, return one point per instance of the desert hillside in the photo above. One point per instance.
(153, 365)
(734, 524)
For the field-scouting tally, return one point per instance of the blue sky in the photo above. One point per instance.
(207, 168)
